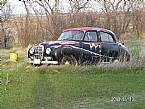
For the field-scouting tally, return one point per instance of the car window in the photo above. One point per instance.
(71, 35)
(90, 36)
(106, 37)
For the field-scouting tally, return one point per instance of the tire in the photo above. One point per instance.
(124, 58)
(69, 59)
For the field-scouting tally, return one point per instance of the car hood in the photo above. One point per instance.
(55, 43)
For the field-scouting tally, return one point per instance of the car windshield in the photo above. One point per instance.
(71, 35)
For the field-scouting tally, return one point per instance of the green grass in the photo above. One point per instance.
(67, 87)
(136, 47)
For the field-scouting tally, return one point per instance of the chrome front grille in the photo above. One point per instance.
(39, 52)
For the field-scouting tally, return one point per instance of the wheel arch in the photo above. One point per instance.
(76, 53)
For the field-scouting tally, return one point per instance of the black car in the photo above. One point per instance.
(85, 45)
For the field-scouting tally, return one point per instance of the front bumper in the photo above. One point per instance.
(39, 62)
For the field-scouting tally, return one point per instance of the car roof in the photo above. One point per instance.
(88, 28)
(91, 28)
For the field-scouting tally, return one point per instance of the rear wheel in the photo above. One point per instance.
(124, 58)
(69, 60)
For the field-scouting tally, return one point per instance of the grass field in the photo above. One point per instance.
(120, 86)
(67, 87)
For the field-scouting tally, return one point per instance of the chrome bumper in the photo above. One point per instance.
(43, 62)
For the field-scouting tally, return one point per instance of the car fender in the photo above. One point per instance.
(71, 50)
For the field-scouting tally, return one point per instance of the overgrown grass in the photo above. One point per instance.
(136, 48)
(67, 87)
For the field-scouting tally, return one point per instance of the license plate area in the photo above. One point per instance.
(36, 61)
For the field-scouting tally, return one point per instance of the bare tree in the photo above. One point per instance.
(116, 14)
(5, 14)
(50, 11)
(78, 5)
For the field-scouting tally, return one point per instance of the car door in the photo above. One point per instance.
(109, 47)
(90, 45)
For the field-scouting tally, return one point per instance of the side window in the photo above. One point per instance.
(77, 35)
(90, 36)
(105, 37)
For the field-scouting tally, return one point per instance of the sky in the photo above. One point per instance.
(18, 6)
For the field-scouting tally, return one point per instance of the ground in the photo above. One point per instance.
(115, 86)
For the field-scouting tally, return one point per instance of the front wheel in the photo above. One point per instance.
(69, 60)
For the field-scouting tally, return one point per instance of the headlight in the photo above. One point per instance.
(31, 51)
(48, 51)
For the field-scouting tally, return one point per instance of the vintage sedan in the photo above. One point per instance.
(85, 45)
